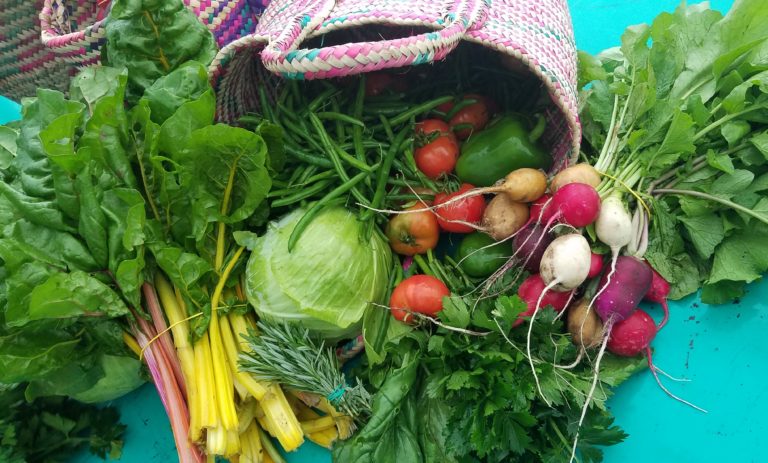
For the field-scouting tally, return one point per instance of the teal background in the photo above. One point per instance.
(721, 349)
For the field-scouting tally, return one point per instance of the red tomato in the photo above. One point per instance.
(466, 210)
(421, 294)
(437, 150)
(413, 233)
(476, 115)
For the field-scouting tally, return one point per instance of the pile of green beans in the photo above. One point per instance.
(344, 148)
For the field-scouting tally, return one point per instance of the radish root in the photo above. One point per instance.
(592, 388)
(663, 388)
(528, 339)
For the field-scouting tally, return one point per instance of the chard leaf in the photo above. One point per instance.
(96, 82)
(224, 162)
(66, 295)
(40, 212)
(168, 93)
(153, 37)
(185, 270)
(19, 285)
(7, 146)
(52, 247)
(35, 351)
(178, 128)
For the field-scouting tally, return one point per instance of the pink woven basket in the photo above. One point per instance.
(537, 34)
(44, 42)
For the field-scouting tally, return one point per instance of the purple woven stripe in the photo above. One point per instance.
(240, 22)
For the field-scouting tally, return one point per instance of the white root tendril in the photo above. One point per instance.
(591, 394)
(575, 363)
(663, 388)
(673, 378)
(567, 305)
(528, 339)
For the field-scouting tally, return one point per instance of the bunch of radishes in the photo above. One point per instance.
(562, 264)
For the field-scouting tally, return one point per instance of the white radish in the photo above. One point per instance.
(564, 267)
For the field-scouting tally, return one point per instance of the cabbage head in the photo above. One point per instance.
(327, 281)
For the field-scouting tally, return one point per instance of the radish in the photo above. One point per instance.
(531, 242)
(566, 262)
(564, 267)
(531, 289)
(577, 204)
(620, 295)
(658, 293)
(615, 301)
(595, 266)
(633, 336)
(614, 226)
(577, 173)
(542, 209)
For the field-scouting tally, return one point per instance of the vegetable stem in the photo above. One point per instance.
(716, 199)
(725, 119)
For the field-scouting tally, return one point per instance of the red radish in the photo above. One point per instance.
(457, 217)
(633, 336)
(596, 266)
(658, 293)
(578, 204)
(531, 289)
(620, 296)
(531, 242)
(542, 209)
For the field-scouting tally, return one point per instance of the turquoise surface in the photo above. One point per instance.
(719, 348)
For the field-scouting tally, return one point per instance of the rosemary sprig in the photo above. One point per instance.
(287, 354)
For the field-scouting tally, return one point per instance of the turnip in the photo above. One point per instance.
(521, 185)
(564, 267)
(577, 173)
(633, 336)
(658, 293)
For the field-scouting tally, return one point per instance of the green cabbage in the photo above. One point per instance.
(329, 279)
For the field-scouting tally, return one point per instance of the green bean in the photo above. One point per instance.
(327, 200)
(398, 182)
(286, 190)
(381, 182)
(266, 109)
(307, 158)
(279, 183)
(315, 104)
(336, 116)
(293, 86)
(341, 134)
(333, 154)
(308, 172)
(302, 131)
(422, 264)
(296, 174)
(420, 109)
(321, 176)
(357, 112)
(387, 127)
(365, 145)
(302, 194)
(464, 276)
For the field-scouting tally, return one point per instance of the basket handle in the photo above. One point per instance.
(282, 56)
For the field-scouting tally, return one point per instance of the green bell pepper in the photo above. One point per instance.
(479, 261)
(509, 143)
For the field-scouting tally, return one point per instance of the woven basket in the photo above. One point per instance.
(25, 63)
(535, 33)
(43, 43)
